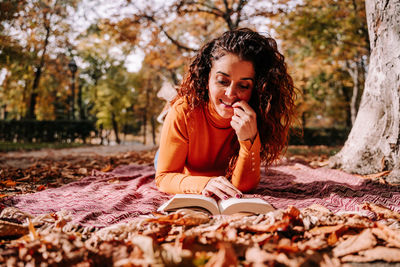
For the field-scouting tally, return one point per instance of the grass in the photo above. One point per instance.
(8, 146)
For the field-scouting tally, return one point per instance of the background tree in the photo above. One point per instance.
(327, 44)
(374, 142)
(114, 101)
(109, 91)
(39, 34)
(170, 34)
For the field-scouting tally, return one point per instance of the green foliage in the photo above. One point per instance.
(326, 43)
(34, 38)
(322, 40)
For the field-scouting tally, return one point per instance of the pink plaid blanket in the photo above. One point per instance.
(103, 199)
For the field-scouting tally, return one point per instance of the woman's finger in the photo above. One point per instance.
(237, 120)
(222, 188)
(243, 105)
(230, 188)
(215, 188)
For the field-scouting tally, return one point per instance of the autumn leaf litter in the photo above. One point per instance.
(288, 237)
(291, 237)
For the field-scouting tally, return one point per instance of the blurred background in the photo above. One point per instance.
(76, 72)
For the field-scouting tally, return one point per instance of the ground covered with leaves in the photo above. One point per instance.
(310, 237)
(26, 174)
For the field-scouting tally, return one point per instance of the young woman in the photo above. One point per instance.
(233, 110)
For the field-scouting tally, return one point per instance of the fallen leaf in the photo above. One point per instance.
(113, 181)
(12, 229)
(321, 230)
(83, 171)
(376, 175)
(365, 240)
(375, 254)
(391, 236)
(26, 178)
(9, 183)
(107, 168)
(381, 211)
(186, 217)
(225, 257)
(41, 188)
(33, 234)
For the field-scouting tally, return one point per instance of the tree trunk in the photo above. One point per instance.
(80, 106)
(153, 129)
(38, 73)
(353, 71)
(115, 127)
(144, 126)
(373, 143)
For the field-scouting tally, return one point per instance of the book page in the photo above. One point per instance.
(180, 201)
(253, 205)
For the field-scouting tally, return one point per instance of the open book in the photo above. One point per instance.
(226, 207)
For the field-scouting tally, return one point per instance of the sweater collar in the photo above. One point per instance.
(215, 119)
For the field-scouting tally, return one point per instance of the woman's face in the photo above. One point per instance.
(231, 80)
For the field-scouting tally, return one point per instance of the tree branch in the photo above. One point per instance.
(174, 41)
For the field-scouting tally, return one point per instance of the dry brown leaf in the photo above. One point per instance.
(107, 168)
(225, 257)
(257, 255)
(83, 171)
(26, 178)
(376, 175)
(186, 217)
(315, 243)
(322, 230)
(381, 211)
(256, 228)
(68, 174)
(32, 231)
(375, 254)
(391, 236)
(365, 240)
(286, 245)
(41, 188)
(113, 181)
(9, 183)
(12, 229)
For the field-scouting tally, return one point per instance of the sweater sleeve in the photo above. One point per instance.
(246, 174)
(174, 143)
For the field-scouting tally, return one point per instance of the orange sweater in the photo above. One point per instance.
(195, 146)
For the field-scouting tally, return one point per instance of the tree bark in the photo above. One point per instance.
(373, 143)
(115, 127)
(354, 73)
(38, 73)
(153, 129)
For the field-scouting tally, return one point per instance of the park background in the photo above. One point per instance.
(89, 71)
(74, 73)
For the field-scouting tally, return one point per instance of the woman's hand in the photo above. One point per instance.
(222, 188)
(244, 121)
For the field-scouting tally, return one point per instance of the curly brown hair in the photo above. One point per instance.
(272, 85)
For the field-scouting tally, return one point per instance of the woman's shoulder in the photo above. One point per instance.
(181, 109)
(181, 105)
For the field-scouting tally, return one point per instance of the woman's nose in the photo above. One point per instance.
(230, 90)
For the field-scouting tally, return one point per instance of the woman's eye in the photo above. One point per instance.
(244, 87)
(223, 82)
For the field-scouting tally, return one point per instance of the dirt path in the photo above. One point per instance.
(24, 159)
